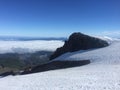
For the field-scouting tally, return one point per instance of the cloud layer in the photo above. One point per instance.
(29, 46)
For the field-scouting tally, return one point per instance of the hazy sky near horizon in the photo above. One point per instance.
(59, 18)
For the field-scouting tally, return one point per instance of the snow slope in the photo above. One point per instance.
(106, 55)
(29, 46)
(102, 74)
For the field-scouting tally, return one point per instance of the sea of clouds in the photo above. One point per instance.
(29, 46)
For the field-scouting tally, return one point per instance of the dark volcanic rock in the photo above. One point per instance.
(79, 41)
(56, 65)
(7, 73)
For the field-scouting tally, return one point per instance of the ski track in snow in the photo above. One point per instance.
(102, 74)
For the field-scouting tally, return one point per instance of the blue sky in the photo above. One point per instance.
(59, 18)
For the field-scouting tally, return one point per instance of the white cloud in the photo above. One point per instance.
(29, 46)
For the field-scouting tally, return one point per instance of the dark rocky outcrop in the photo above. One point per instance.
(7, 73)
(79, 41)
(56, 65)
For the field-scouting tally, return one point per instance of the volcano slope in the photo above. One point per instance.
(101, 74)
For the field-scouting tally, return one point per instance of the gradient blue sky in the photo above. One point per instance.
(58, 18)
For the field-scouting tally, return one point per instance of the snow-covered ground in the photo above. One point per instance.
(102, 74)
(29, 46)
(106, 55)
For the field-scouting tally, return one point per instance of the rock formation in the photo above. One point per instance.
(79, 41)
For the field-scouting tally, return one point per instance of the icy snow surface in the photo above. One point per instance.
(29, 46)
(106, 55)
(102, 74)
